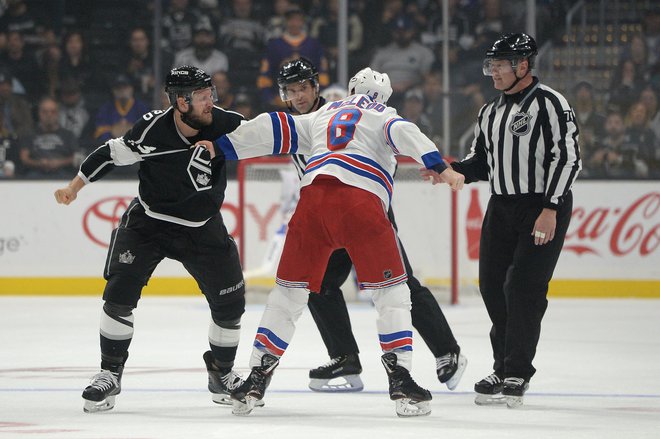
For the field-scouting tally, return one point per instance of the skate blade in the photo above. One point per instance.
(406, 408)
(513, 402)
(456, 378)
(347, 383)
(226, 400)
(244, 408)
(496, 399)
(99, 406)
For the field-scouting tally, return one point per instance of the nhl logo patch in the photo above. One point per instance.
(387, 274)
(521, 124)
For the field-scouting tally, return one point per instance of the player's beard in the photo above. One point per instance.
(196, 122)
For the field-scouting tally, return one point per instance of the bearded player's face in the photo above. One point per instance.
(202, 106)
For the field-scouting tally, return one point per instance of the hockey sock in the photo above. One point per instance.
(278, 323)
(223, 339)
(394, 322)
(116, 332)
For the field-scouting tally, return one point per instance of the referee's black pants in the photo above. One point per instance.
(514, 275)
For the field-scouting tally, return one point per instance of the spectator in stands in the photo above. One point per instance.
(8, 143)
(325, 28)
(649, 97)
(49, 63)
(641, 143)
(413, 110)
(611, 157)
(50, 151)
(243, 38)
(590, 121)
(295, 42)
(243, 103)
(405, 60)
(637, 52)
(625, 88)
(179, 23)
(464, 105)
(15, 109)
(378, 16)
(276, 23)
(19, 18)
(461, 34)
(223, 89)
(117, 116)
(74, 115)
(22, 65)
(75, 62)
(140, 63)
(203, 53)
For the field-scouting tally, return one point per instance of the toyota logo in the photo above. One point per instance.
(102, 217)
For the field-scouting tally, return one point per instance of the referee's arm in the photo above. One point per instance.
(475, 165)
(565, 163)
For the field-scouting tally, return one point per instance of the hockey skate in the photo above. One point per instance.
(100, 395)
(411, 400)
(247, 396)
(340, 374)
(222, 384)
(450, 368)
(489, 391)
(513, 391)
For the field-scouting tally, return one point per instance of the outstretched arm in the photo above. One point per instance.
(67, 194)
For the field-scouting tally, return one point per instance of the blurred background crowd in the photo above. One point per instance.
(75, 73)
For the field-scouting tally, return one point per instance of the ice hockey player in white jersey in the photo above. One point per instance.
(346, 190)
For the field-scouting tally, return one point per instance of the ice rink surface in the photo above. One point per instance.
(598, 376)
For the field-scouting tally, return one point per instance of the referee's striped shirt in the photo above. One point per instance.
(526, 143)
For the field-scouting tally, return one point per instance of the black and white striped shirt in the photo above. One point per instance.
(526, 143)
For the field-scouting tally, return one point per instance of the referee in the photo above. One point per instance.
(526, 146)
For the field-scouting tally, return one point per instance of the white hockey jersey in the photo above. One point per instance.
(354, 140)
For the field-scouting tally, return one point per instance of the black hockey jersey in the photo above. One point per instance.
(176, 183)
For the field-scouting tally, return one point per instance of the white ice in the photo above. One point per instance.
(598, 376)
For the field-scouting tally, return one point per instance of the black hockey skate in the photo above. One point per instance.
(340, 374)
(100, 395)
(489, 391)
(450, 368)
(248, 394)
(222, 383)
(513, 390)
(411, 400)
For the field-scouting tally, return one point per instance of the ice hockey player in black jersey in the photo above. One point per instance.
(175, 215)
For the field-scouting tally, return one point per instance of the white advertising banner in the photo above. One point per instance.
(614, 233)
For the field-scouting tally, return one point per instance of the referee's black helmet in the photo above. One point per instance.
(514, 47)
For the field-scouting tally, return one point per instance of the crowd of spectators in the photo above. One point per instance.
(59, 100)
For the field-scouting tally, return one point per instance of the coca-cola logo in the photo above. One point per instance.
(102, 217)
(634, 229)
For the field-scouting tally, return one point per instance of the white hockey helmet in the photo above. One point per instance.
(372, 83)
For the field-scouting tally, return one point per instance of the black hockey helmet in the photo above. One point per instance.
(184, 80)
(513, 47)
(298, 70)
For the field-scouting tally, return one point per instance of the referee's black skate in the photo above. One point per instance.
(489, 391)
(99, 396)
(222, 382)
(340, 374)
(247, 396)
(450, 368)
(411, 399)
(513, 390)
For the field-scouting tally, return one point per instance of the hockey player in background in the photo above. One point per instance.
(346, 191)
(176, 215)
(299, 89)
